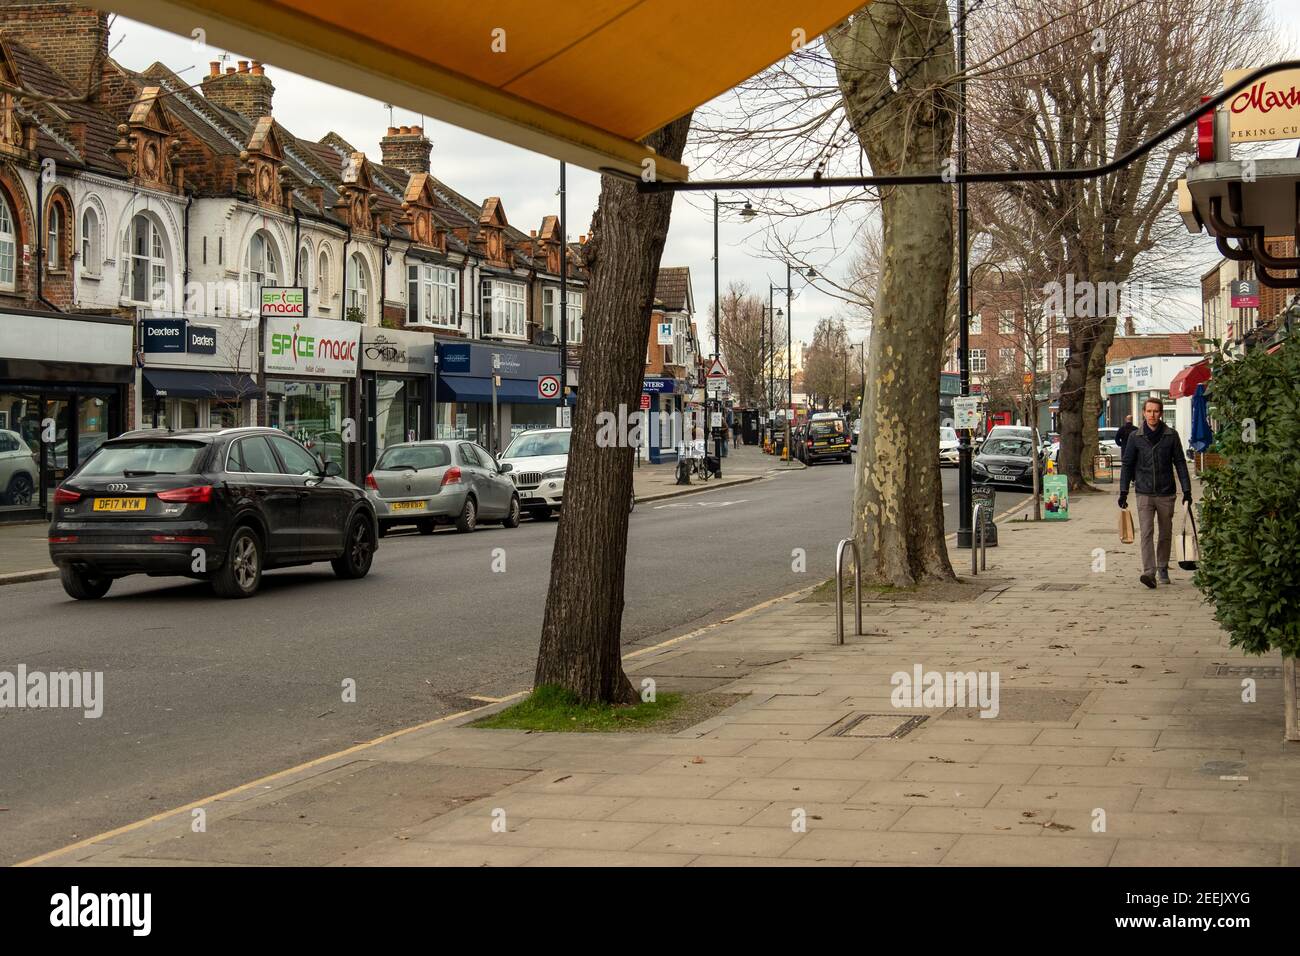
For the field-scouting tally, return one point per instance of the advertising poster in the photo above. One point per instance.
(1056, 498)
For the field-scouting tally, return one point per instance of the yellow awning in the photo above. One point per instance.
(580, 80)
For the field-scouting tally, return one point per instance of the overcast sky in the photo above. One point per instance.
(528, 183)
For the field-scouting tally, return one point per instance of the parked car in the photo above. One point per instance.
(826, 438)
(1006, 459)
(1106, 439)
(797, 438)
(948, 445)
(857, 434)
(17, 470)
(1018, 431)
(538, 460)
(222, 505)
(427, 483)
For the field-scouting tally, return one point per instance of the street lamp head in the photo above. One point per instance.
(811, 273)
(749, 212)
(780, 312)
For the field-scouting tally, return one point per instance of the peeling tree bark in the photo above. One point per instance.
(898, 497)
(581, 633)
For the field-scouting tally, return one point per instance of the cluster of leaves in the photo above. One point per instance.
(1250, 516)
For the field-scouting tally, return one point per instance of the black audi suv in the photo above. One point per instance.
(218, 505)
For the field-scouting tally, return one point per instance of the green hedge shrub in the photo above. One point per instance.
(1250, 516)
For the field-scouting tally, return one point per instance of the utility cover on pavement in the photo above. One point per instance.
(874, 725)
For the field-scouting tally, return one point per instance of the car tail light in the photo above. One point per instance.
(451, 477)
(63, 539)
(810, 443)
(193, 495)
(66, 496)
(180, 539)
(371, 484)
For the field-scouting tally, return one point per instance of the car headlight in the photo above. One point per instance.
(978, 466)
(554, 473)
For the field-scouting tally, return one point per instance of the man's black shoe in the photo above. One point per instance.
(1148, 579)
(1163, 576)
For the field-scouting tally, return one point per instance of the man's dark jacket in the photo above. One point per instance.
(1122, 435)
(1150, 460)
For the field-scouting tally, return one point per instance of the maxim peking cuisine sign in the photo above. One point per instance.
(312, 347)
(1268, 109)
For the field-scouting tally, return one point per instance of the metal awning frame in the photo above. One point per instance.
(991, 176)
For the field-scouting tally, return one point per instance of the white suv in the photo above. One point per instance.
(539, 459)
(17, 470)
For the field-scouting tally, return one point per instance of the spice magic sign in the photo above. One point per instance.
(1266, 110)
(286, 302)
(314, 347)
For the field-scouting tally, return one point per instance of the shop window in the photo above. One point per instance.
(91, 259)
(261, 269)
(20, 443)
(432, 296)
(297, 460)
(229, 414)
(8, 246)
(144, 262)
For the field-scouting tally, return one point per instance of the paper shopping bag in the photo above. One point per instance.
(1189, 548)
(1125, 526)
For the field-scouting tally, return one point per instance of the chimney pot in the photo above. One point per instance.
(532, 233)
(258, 69)
(243, 66)
(214, 68)
(582, 240)
(229, 70)
(392, 131)
(417, 130)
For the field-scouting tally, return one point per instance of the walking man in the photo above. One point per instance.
(1152, 455)
(1123, 433)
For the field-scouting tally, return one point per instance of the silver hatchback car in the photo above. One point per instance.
(427, 483)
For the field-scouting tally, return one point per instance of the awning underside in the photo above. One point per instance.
(578, 81)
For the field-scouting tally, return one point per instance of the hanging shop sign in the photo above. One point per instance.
(1268, 110)
(286, 303)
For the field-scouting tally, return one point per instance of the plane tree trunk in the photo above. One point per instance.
(898, 503)
(581, 647)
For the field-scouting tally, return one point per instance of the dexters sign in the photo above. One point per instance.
(314, 347)
(162, 335)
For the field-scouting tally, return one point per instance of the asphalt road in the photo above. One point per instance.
(202, 695)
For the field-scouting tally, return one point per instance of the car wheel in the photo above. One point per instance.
(468, 516)
(241, 574)
(383, 530)
(425, 527)
(83, 586)
(20, 490)
(358, 550)
(512, 516)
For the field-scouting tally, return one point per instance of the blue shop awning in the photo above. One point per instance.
(474, 388)
(186, 383)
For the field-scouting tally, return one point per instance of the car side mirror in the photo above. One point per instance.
(332, 469)
(505, 467)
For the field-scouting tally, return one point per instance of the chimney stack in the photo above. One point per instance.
(1129, 327)
(68, 36)
(245, 90)
(406, 147)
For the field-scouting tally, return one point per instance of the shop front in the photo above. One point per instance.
(198, 372)
(63, 390)
(662, 428)
(467, 396)
(396, 383)
(310, 376)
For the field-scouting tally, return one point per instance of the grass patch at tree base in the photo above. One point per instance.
(963, 589)
(553, 709)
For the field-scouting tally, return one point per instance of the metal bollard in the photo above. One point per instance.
(839, 589)
(977, 542)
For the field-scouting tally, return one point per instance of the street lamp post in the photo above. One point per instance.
(748, 212)
(964, 492)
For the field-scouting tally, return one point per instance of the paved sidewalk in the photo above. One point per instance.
(25, 552)
(1120, 740)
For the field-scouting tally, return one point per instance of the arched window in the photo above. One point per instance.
(261, 268)
(144, 264)
(304, 268)
(8, 245)
(323, 280)
(358, 285)
(90, 255)
(54, 238)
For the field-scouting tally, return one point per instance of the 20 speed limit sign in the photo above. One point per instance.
(548, 386)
